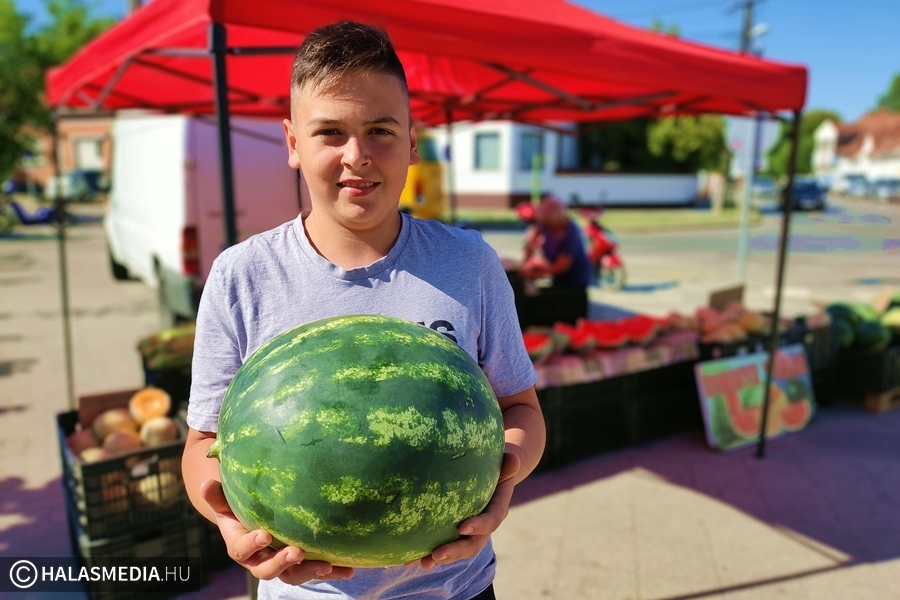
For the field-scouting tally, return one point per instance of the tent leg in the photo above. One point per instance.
(451, 193)
(219, 47)
(787, 206)
(59, 205)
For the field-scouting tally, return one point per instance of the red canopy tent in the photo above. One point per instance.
(526, 60)
(529, 60)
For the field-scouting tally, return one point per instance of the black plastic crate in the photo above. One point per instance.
(859, 374)
(716, 350)
(124, 494)
(185, 542)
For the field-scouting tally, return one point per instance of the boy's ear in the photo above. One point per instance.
(291, 140)
(413, 146)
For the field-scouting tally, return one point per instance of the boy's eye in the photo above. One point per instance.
(328, 132)
(382, 131)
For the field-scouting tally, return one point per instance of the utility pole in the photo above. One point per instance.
(748, 33)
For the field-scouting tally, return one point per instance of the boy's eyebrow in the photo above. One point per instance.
(321, 122)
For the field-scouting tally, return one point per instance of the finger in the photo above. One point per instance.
(249, 547)
(493, 514)
(511, 465)
(269, 564)
(305, 571)
(465, 547)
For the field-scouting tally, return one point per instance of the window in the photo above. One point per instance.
(532, 146)
(487, 151)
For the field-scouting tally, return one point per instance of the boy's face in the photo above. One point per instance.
(354, 143)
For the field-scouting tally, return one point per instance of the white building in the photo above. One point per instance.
(869, 147)
(492, 167)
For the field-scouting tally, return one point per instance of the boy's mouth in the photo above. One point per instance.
(356, 184)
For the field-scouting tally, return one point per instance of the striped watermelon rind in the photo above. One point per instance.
(363, 440)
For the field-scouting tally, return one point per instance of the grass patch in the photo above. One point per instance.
(623, 219)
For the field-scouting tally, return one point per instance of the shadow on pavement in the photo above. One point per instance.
(837, 482)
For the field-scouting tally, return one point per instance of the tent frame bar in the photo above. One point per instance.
(786, 207)
(219, 47)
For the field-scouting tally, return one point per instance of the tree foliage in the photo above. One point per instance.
(891, 99)
(668, 145)
(697, 142)
(779, 154)
(25, 55)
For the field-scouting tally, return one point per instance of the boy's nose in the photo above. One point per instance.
(356, 153)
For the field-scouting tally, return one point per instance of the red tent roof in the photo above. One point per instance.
(531, 60)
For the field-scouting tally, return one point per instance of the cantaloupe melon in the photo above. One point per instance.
(81, 440)
(116, 419)
(159, 431)
(161, 490)
(92, 455)
(149, 403)
(122, 441)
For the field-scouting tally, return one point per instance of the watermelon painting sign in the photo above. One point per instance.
(731, 396)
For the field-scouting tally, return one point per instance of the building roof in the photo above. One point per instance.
(882, 125)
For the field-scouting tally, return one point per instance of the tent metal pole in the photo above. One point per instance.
(59, 205)
(749, 176)
(787, 205)
(219, 47)
(448, 116)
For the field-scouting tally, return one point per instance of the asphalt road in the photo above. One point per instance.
(849, 252)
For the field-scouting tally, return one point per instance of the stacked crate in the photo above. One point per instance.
(132, 505)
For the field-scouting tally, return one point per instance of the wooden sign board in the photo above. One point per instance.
(731, 396)
(722, 298)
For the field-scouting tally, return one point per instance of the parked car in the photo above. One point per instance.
(854, 185)
(809, 195)
(886, 187)
(764, 186)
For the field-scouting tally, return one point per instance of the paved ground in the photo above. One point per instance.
(816, 519)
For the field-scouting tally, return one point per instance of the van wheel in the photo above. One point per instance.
(119, 271)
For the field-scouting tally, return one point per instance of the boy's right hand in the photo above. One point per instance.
(250, 549)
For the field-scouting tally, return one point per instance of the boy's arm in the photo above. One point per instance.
(250, 549)
(525, 439)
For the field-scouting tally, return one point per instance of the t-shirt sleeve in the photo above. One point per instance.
(501, 350)
(217, 355)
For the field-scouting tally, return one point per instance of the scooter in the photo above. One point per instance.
(607, 264)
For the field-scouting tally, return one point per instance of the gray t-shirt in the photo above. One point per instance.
(445, 278)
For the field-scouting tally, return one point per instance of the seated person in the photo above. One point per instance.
(558, 238)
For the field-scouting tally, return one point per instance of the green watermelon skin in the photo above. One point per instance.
(363, 440)
(872, 336)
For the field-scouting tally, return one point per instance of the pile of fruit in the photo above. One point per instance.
(169, 349)
(120, 430)
(588, 334)
(862, 328)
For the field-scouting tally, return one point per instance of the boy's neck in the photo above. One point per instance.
(351, 249)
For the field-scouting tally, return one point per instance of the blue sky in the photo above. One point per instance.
(850, 48)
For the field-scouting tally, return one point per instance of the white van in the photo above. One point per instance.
(165, 222)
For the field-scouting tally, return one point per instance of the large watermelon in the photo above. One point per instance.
(363, 440)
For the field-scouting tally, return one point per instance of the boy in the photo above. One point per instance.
(354, 252)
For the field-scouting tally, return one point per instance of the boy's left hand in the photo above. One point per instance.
(477, 530)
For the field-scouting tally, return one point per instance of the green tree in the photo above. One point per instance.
(25, 56)
(891, 100)
(696, 142)
(779, 154)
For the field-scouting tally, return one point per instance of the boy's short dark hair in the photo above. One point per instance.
(334, 50)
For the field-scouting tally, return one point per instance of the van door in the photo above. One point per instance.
(266, 188)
